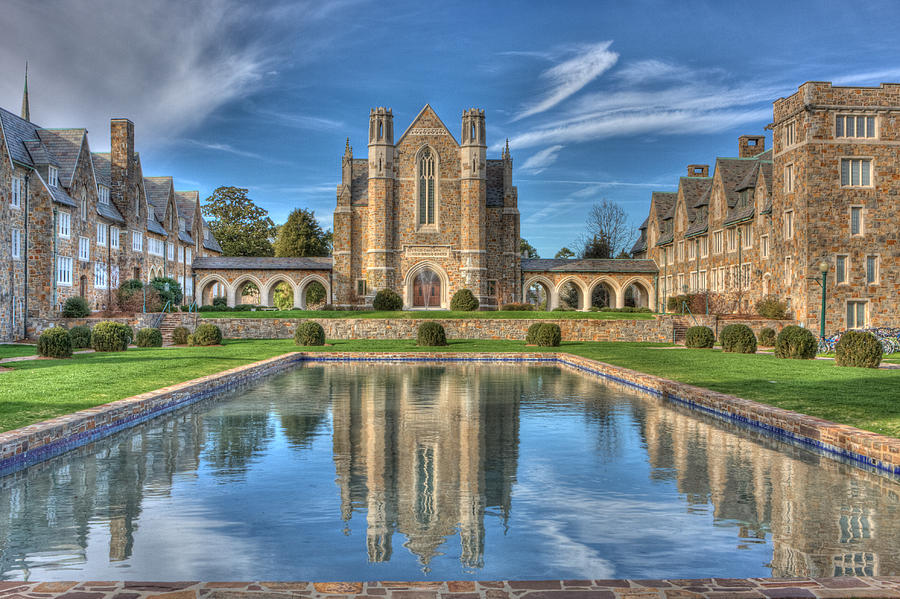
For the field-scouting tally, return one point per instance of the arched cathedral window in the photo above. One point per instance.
(426, 188)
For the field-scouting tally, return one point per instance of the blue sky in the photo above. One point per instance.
(598, 99)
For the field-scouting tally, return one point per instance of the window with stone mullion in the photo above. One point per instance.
(426, 189)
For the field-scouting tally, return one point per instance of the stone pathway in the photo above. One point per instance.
(701, 588)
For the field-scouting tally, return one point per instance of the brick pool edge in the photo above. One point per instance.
(701, 588)
(35, 443)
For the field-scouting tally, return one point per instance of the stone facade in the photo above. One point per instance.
(764, 222)
(77, 223)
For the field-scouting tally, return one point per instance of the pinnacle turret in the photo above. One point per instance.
(26, 110)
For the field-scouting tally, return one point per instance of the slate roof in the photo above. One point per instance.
(359, 182)
(587, 265)
(65, 146)
(494, 175)
(102, 168)
(17, 131)
(155, 227)
(39, 154)
(186, 201)
(640, 245)
(209, 240)
(185, 237)
(223, 262)
(109, 211)
(157, 189)
(61, 197)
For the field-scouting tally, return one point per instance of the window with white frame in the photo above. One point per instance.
(680, 251)
(680, 283)
(100, 275)
(102, 231)
(841, 269)
(732, 240)
(180, 254)
(103, 194)
(64, 224)
(789, 178)
(15, 199)
(693, 280)
(872, 270)
(788, 224)
(788, 269)
(856, 172)
(155, 247)
(170, 251)
(702, 281)
(16, 244)
(704, 247)
(764, 246)
(746, 237)
(64, 271)
(84, 249)
(852, 125)
(717, 242)
(137, 241)
(84, 208)
(856, 314)
(189, 290)
(745, 275)
(856, 220)
(53, 176)
(692, 249)
(187, 256)
(114, 238)
(789, 135)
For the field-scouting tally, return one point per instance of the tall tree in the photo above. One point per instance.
(241, 227)
(301, 236)
(607, 222)
(564, 253)
(596, 247)
(527, 250)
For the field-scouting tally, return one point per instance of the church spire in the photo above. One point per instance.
(505, 155)
(348, 151)
(26, 112)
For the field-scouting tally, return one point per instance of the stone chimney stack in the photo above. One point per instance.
(698, 170)
(751, 145)
(121, 159)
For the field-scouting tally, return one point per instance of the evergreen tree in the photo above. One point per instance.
(302, 236)
(241, 227)
(564, 253)
(527, 250)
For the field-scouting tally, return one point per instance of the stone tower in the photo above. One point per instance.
(473, 194)
(379, 242)
(342, 280)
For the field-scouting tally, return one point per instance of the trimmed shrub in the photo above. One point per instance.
(431, 334)
(859, 349)
(771, 307)
(549, 335)
(464, 301)
(796, 343)
(517, 307)
(81, 337)
(767, 337)
(55, 343)
(180, 335)
(148, 337)
(309, 333)
(220, 301)
(110, 336)
(244, 307)
(562, 309)
(206, 334)
(738, 338)
(699, 336)
(76, 307)
(531, 335)
(387, 300)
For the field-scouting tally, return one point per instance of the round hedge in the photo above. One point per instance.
(148, 337)
(76, 307)
(180, 335)
(767, 337)
(796, 343)
(55, 343)
(309, 333)
(548, 335)
(110, 336)
(699, 336)
(387, 300)
(531, 335)
(81, 337)
(859, 349)
(464, 301)
(431, 334)
(206, 334)
(738, 338)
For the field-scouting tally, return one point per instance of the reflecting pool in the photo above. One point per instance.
(450, 471)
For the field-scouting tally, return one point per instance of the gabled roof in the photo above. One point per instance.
(102, 168)
(61, 197)
(155, 227)
(426, 108)
(65, 145)
(17, 131)
(640, 245)
(209, 240)
(186, 202)
(158, 190)
(588, 265)
(109, 211)
(39, 153)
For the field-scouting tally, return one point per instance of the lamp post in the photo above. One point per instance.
(823, 268)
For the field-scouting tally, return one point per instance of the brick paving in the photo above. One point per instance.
(700, 588)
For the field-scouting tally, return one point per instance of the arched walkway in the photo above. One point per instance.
(268, 293)
(540, 292)
(572, 293)
(604, 294)
(636, 294)
(210, 287)
(301, 289)
(242, 291)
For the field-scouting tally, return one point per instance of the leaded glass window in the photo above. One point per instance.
(426, 188)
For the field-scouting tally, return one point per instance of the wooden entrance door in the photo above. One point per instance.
(427, 290)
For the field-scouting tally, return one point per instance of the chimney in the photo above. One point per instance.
(751, 145)
(121, 159)
(698, 170)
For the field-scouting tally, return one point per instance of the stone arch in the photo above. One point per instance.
(267, 293)
(205, 293)
(300, 290)
(549, 289)
(612, 291)
(236, 287)
(641, 296)
(410, 278)
(583, 297)
(437, 185)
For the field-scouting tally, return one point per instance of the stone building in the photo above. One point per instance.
(76, 223)
(766, 222)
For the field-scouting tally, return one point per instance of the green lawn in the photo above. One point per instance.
(14, 351)
(36, 390)
(504, 314)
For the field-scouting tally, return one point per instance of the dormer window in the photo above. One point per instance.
(103, 194)
(182, 226)
(53, 176)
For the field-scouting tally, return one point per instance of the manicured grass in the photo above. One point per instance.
(868, 399)
(323, 314)
(14, 351)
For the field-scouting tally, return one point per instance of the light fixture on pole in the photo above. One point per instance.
(823, 268)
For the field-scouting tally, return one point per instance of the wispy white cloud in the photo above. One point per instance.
(303, 121)
(570, 76)
(541, 160)
(870, 77)
(230, 149)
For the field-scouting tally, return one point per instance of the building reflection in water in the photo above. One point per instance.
(431, 453)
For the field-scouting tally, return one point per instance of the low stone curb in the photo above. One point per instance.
(700, 588)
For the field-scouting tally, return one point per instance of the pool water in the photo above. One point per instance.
(442, 471)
